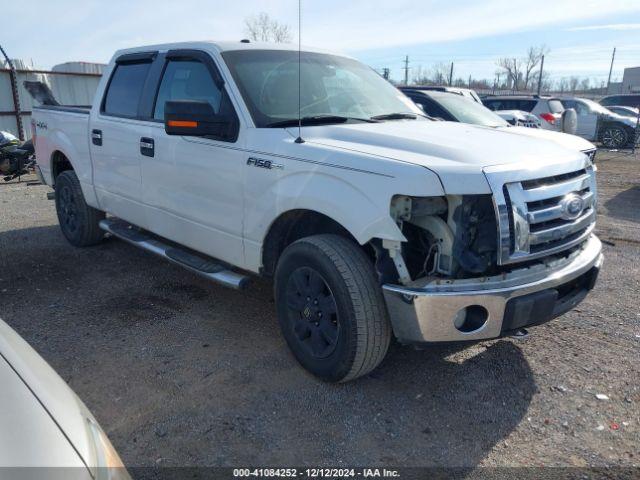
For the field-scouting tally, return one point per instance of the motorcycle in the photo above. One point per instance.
(16, 158)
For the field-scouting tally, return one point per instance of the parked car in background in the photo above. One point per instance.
(465, 92)
(548, 109)
(626, 100)
(44, 424)
(518, 118)
(624, 111)
(454, 107)
(598, 123)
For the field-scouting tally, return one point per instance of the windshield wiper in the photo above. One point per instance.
(319, 120)
(396, 116)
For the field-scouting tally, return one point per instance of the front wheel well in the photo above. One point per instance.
(59, 163)
(294, 225)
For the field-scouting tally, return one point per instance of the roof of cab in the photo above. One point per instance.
(211, 45)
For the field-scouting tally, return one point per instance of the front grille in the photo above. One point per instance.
(546, 215)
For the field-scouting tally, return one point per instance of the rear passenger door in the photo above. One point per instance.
(194, 186)
(115, 132)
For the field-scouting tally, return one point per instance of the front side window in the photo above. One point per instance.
(330, 86)
(125, 89)
(187, 80)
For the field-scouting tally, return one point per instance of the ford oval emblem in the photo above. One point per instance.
(571, 206)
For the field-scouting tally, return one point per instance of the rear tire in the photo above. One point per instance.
(330, 308)
(78, 221)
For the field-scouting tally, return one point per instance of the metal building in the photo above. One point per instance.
(631, 80)
(72, 83)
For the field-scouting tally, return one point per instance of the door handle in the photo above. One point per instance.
(147, 146)
(96, 137)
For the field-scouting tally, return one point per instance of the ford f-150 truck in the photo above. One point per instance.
(233, 159)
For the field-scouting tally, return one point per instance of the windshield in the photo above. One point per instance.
(469, 111)
(331, 86)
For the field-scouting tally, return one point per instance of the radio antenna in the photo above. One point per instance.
(299, 139)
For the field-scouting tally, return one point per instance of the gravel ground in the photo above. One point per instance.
(182, 372)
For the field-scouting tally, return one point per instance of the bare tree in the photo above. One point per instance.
(262, 28)
(532, 60)
(521, 71)
(573, 84)
(440, 73)
(512, 67)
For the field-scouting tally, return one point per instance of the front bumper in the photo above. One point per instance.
(483, 308)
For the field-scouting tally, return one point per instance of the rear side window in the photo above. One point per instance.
(555, 106)
(187, 80)
(125, 89)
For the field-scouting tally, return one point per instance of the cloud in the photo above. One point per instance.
(93, 29)
(613, 26)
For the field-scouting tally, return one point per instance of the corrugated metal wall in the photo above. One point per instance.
(67, 87)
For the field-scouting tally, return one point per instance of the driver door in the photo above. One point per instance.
(194, 186)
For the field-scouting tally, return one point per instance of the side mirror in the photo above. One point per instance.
(195, 118)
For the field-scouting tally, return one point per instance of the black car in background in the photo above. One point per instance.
(624, 100)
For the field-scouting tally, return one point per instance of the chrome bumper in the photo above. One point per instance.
(432, 311)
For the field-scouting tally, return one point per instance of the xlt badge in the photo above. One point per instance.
(263, 163)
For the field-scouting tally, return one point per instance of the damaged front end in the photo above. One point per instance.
(447, 237)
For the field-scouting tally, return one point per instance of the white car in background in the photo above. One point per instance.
(44, 424)
(518, 118)
(625, 111)
(549, 110)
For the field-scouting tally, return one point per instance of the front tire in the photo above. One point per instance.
(330, 308)
(614, 136)
(79, 222)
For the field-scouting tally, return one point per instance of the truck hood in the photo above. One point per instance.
(563, 139)
(447, 148)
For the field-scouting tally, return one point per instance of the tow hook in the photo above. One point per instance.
(520, 334)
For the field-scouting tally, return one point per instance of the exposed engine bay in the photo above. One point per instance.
(447, 237)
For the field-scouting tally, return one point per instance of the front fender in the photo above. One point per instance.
(363, 216)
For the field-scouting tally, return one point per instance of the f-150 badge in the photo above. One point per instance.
(262, 163)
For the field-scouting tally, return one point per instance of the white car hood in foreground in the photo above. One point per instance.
(449, 149)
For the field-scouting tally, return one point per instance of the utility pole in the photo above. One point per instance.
(613, 56)
(406, 70)
(451, 75)
(540, 75)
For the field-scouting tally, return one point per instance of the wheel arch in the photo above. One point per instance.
(59, 162)
(293, 225)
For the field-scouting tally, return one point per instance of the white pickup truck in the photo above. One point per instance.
(373, 219)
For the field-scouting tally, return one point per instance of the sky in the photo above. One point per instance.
(580, 34)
